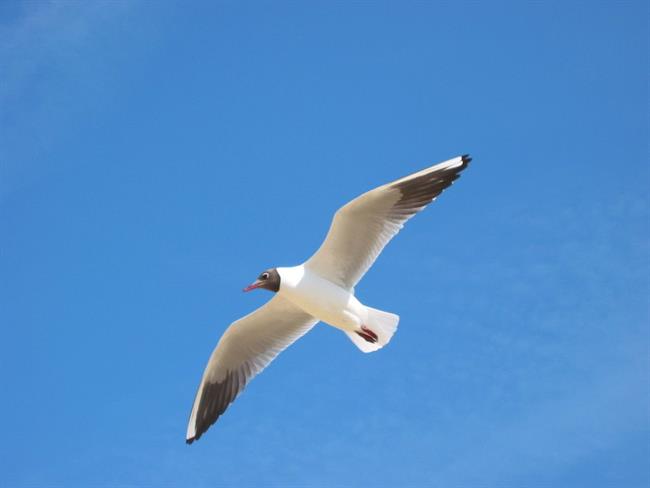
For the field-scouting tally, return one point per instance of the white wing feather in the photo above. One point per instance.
(244, 350)
(361, 229)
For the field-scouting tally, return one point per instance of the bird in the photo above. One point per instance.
(320, 289)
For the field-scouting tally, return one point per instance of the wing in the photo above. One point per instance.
(363, 227)
(244, 350)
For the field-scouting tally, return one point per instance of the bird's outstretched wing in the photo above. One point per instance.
(244, 350)
(363, 227)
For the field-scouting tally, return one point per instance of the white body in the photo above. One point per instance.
(320, 298)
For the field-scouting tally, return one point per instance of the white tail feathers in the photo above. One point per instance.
(380, 324)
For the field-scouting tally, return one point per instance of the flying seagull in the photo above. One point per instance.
(320, 289)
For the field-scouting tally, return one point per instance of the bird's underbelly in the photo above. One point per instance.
(327, 302)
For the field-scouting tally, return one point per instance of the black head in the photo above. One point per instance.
(269, 280)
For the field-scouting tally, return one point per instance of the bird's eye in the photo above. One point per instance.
(264, 276)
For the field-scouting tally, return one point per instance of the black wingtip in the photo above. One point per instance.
(189, 441)
(466, 159)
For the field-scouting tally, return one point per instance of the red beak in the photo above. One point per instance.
(252, 286)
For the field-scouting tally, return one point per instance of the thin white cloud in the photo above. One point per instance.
(36, 50)
(44, 35)
(559, 432)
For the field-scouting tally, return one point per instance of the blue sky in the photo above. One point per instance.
(155, 157)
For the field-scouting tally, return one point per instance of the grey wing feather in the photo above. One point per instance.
(361, 229)
(245, 349)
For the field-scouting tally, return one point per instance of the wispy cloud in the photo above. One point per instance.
(559, 432)
(44, 35)
(37, 49)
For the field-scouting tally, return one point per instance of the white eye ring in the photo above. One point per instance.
(265, 276)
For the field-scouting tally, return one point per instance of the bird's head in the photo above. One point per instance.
(269, 280)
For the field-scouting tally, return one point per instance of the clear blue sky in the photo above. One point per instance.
(155, 157)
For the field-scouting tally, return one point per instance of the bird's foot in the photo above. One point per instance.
(367, 334)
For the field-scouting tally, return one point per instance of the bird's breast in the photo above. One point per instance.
(321, 298)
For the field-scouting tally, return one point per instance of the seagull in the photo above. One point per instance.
(320, 289)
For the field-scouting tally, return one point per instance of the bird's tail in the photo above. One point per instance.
(377, 332)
